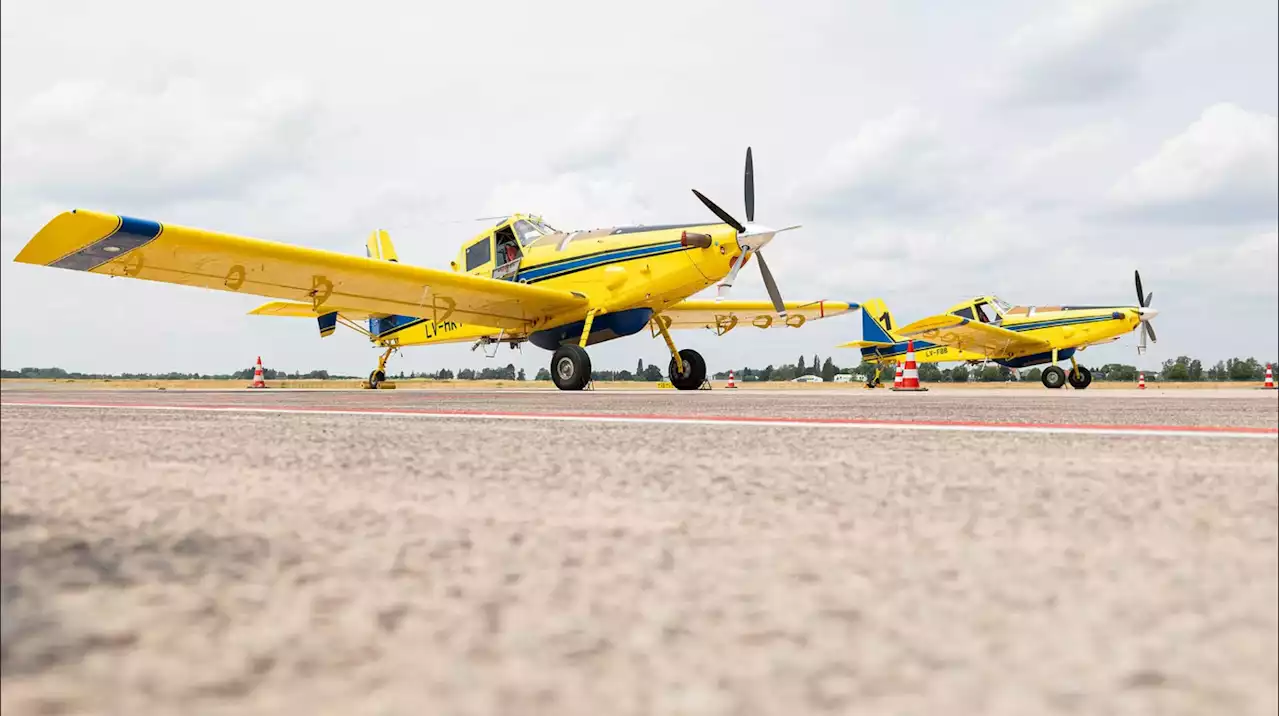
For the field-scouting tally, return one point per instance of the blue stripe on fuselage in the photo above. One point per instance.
(561, 268)
(128, 235)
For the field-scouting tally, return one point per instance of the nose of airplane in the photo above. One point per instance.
(1146, 314)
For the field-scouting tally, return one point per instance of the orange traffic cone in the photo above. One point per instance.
(1142, 381)
(258, 382)
(897, 377)
(731, 385)
(1269, 382)
(910, 377)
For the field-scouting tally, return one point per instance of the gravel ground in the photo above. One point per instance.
(166, 562)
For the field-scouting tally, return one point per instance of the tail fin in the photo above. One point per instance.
(877, 323)
(379, 246)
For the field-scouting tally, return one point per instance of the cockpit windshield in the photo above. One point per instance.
(986, 312)
(530, 230)
(1000, 304)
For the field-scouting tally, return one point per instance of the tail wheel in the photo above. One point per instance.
(1081, 382)
(570, 367)
(694, 373)
(1053, 377)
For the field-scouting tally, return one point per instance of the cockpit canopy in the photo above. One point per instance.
(530, 229)
(987, 309)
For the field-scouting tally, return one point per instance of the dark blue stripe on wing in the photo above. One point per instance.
(130, 234)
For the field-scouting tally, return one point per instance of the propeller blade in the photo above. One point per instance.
(724, 215)
(1150, 331)
(722, 290)
(749, 189)
(771, 286)
(1147, 303)
(1137, 281)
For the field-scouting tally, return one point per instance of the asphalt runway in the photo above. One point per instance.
(721, 552)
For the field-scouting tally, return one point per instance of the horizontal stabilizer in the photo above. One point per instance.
(866, 344)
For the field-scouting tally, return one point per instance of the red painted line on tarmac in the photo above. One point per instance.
(971, 426)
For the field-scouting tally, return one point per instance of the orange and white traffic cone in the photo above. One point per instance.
(258, 382)
(1269, 382)
(1142, 381)
(731, 385)
(897, 377)
(910, 376)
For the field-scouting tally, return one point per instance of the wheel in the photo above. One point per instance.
(1083, 381)
(376, 377)
(695, 370)
(1053, 377)
(570, 367)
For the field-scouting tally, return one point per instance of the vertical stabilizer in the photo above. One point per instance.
(877, 323)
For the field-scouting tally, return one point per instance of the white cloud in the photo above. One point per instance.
(1237, 266)
(893, 164)
(1222, 168)
(1084, 50)
(600, 140)
(94, 141)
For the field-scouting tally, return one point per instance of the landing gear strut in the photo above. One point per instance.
(687, 370)
(379, 374)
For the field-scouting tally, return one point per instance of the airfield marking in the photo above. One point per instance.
(849, 423)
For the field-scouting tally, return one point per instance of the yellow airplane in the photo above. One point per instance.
(519, 281)
(989, 329)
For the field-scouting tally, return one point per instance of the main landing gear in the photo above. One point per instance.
(687, 370)
(1055, 377)
(379, 374)
(571, 366)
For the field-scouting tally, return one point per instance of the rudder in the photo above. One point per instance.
(877, 322)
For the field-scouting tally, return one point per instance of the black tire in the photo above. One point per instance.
(1053, 377)
(1083, 381)
(695, 370)
(570, 367)
(376, 378)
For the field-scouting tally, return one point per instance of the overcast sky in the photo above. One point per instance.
(932, 151)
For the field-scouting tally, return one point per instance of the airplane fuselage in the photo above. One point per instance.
(627, 273)
(1065, 328)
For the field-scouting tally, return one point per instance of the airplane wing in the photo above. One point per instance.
(138, 248)
(866, 344)
(722, 316)
(970, 335)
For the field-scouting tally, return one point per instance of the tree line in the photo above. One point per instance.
(1180, 369)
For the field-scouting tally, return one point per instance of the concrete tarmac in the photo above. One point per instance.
(361, 552)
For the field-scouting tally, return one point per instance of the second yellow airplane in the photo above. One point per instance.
(989, 329)
(520, 281)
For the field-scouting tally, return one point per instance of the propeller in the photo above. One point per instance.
(751, 238)
(1145, 314)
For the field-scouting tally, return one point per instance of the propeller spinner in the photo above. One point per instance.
(751, 238)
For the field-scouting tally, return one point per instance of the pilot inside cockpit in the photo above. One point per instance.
(986, 312)
(508, 249)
